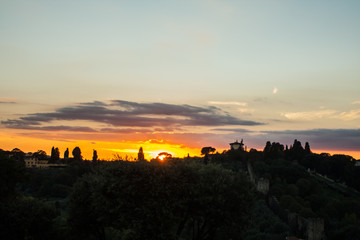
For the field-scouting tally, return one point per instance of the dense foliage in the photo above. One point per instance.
(173, 200)
(190, 198)
(313, 186)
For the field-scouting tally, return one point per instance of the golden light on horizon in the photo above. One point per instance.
(105, 149)
(108, 149)
(162, 157)
(153, 154)
(354, 154)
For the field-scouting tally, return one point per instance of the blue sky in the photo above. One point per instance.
(291, 65)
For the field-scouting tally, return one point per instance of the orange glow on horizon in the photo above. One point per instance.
(354, 154)
(107, 149)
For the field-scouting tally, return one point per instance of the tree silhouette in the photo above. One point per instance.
(205, 151)
(55, 154)
(66, 153)
(141, 154)
(297, 151)
(77, 154)
(18, 154)
(297, 147)
(52, 153)
(40, 154)
(95, 156)
(273, 150)
(307, 148)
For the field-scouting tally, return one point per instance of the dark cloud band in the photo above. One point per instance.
(118, 113)
(341, 139)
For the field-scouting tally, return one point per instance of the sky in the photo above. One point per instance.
(176, 76)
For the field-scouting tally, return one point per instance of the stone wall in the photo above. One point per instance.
(263, 185)
(315, 229)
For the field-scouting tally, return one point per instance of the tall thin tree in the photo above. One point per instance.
(141, 154)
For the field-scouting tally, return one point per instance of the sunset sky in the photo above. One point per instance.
(176, 76)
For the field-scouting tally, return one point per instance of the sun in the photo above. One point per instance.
(162, 156)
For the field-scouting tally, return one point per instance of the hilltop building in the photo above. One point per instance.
(237, 145)
(33, 162)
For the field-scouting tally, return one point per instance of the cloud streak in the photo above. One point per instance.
(124, 114)
(349, 116)
(312, 115)
(344, 139)
(7, 100)
(243, 104)
(233, 130)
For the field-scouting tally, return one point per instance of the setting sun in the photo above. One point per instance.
(162, 157)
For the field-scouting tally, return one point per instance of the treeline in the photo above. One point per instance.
(340, 168)
(21, 216)
(171, 199)
(190, 198)
(53, 158)
(168, 199)
(294, 181)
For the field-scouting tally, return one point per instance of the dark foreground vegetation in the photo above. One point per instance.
(213, 197)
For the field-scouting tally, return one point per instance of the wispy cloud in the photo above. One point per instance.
(356, 102)
(246, 110)
(243, 104)
(348, 116)
(156, 141)
(4, 102)
(7, 100)
(261, 99)
(234, 130)
(120, 114)
(59, 128)
(311, 115)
